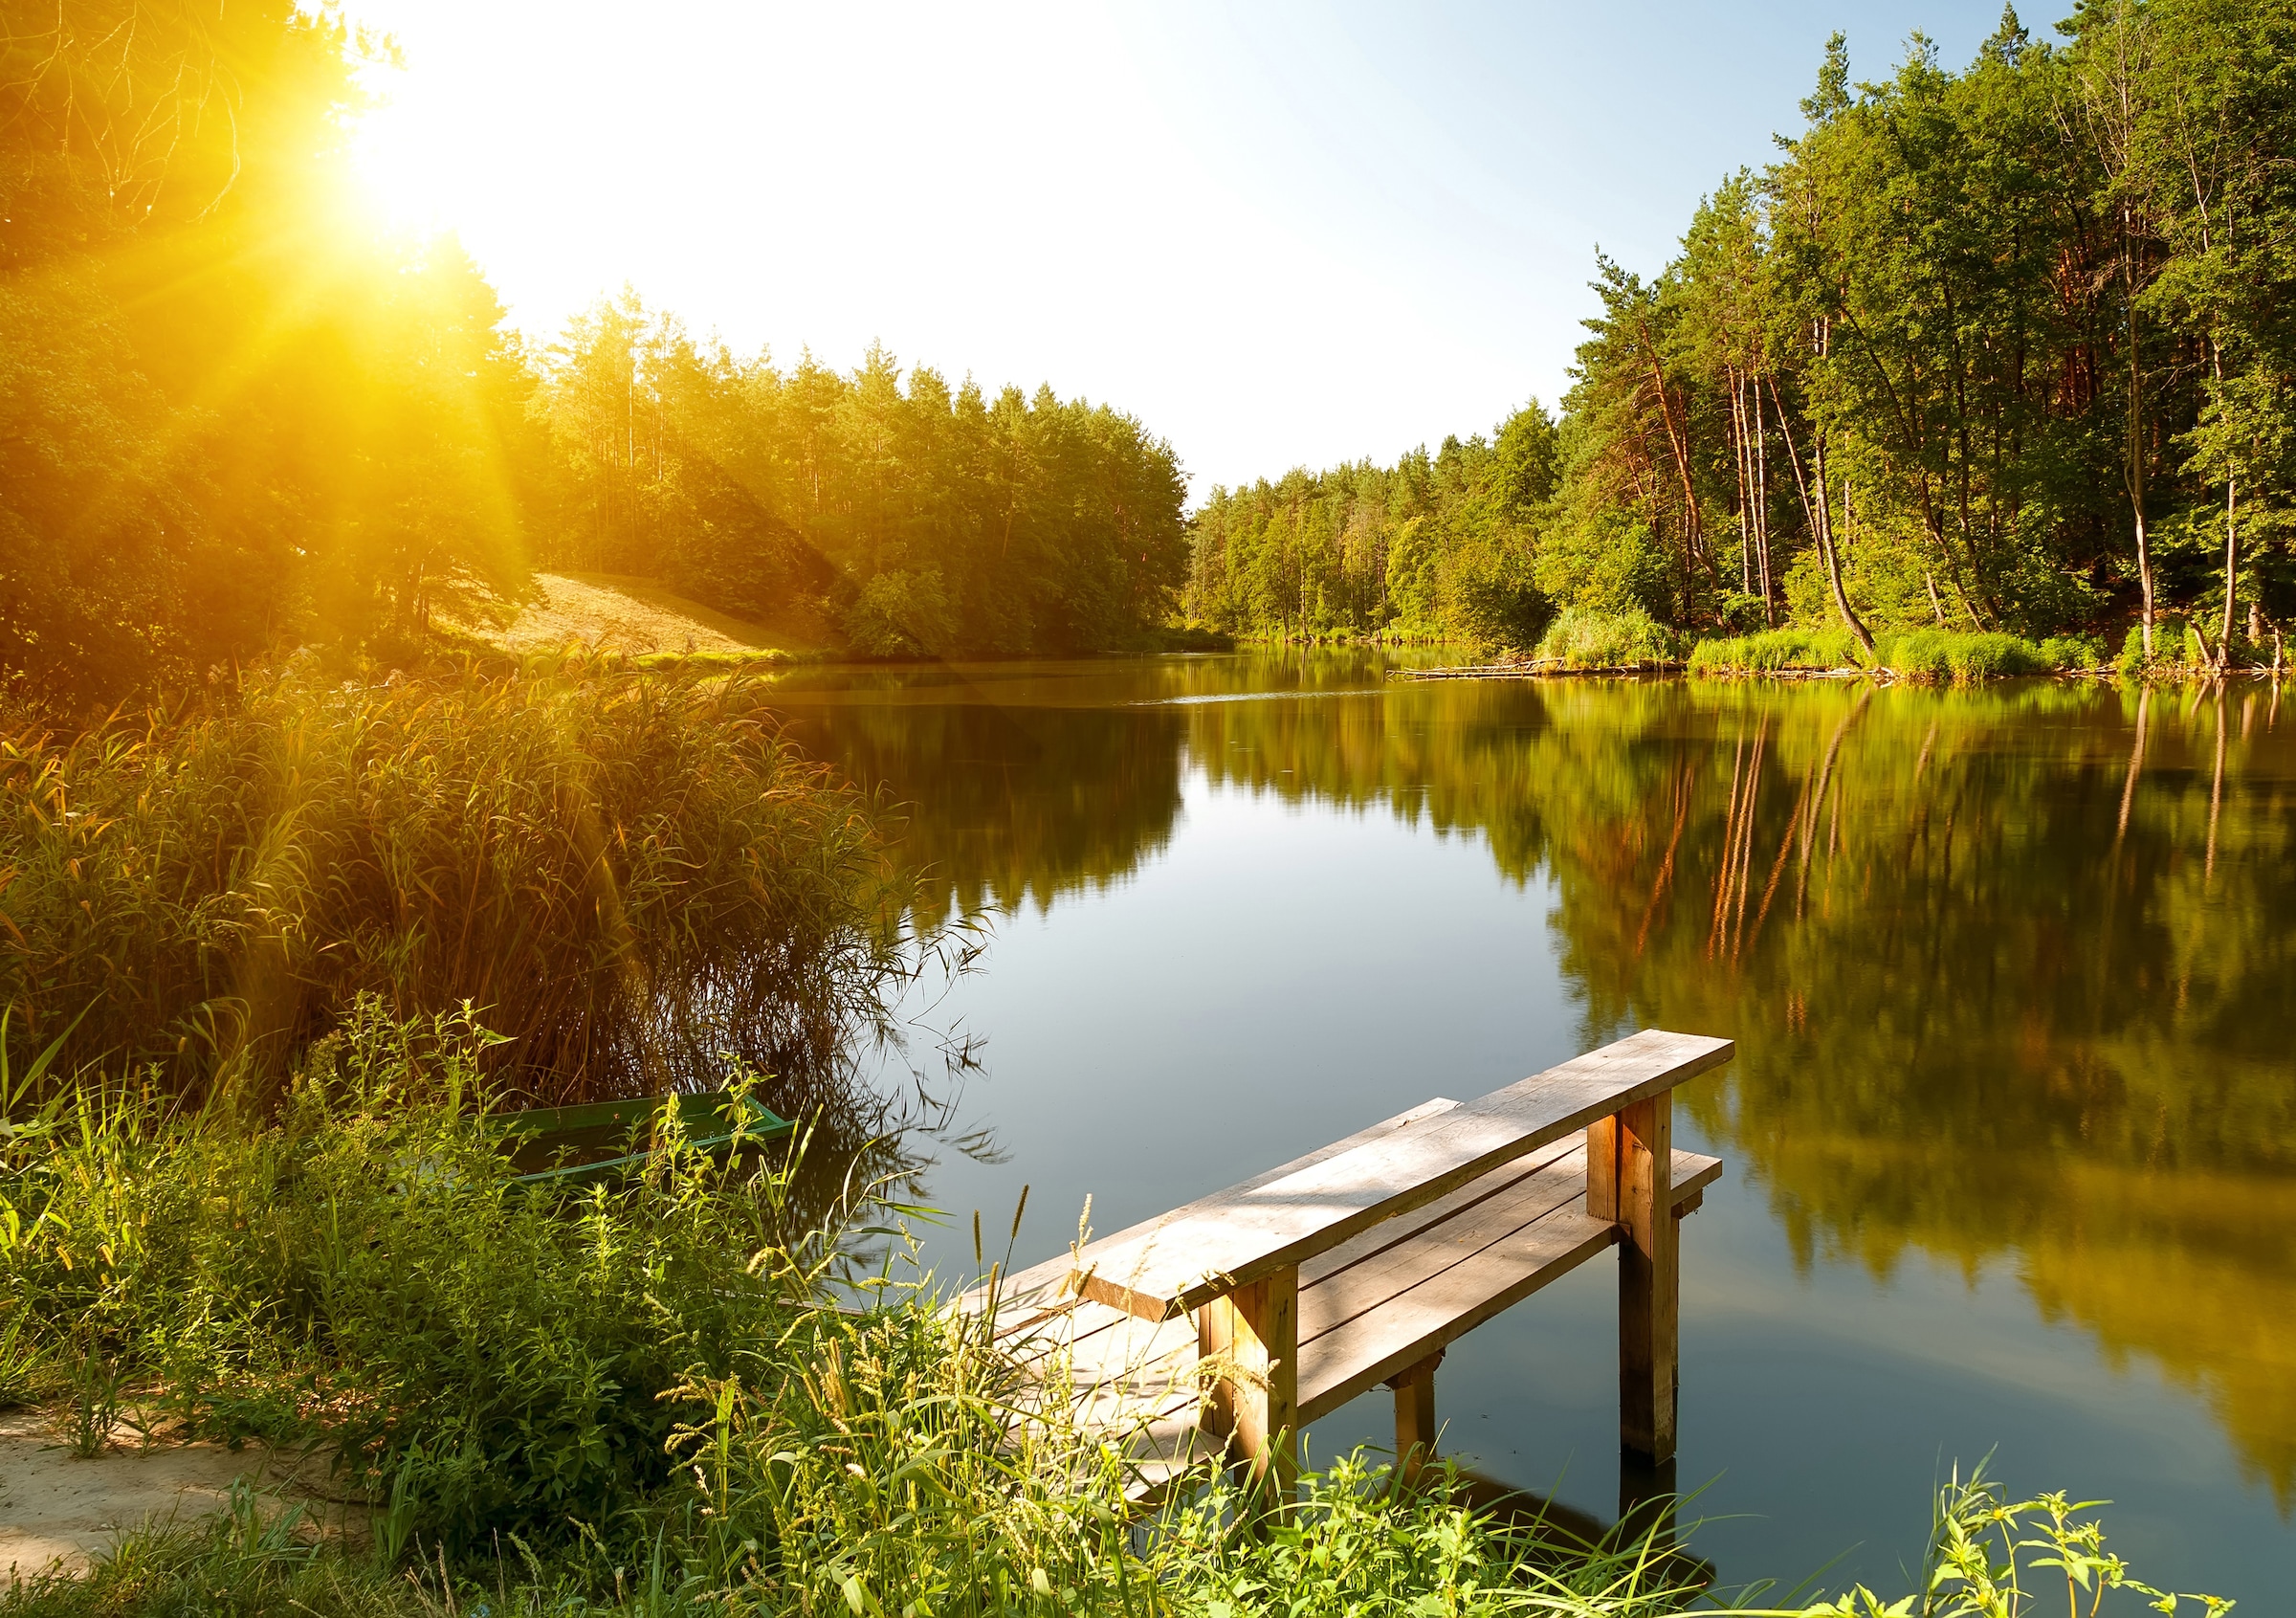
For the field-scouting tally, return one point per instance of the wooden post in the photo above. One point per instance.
(1415, 1416)
(1649, 1279)
(1602, 1168)
(1253, 1333)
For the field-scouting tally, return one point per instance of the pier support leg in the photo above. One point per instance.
(1646, 1501)
(1415, 1417)
(1254, 1333)
(1649, 1277)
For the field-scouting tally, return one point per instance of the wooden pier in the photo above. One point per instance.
(1212, 1334)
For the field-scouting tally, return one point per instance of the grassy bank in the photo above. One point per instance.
(630, 872)
(643, 1397)
(1626, 640)
(679, 1394)
(1940, 655)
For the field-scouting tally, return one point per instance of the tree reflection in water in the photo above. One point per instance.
(2009, 968)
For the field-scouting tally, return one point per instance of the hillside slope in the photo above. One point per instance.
(625, 612)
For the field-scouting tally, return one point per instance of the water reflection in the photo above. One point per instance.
(2009, 968)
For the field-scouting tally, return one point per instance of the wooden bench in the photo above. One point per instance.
(1221, 1328)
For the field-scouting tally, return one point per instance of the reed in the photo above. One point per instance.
(1946, 655)
(1583, 639)
(1774, 651)
(629, 874)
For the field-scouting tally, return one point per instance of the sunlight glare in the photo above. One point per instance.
(398, 154)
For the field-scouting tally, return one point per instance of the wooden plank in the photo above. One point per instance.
(1136, 1382)
(1230, 1240)
(1649, 1279)
(1361, 1288)
(1407, 1228)
(1367, 1350)
(1359, 1352)
(1046, 1285)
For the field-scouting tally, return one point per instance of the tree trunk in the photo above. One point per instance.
(1761, 499)
(2232, 557)
(2135, 470)
(1820, 518)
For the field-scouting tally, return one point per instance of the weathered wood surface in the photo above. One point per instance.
(1368, 1312)
(1175, 1264)
(1649, 1277)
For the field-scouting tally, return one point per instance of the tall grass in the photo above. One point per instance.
(362, 1273)
(629, 872)
(1581, 639)
(1957, 654)
(676, 1396)
(1776, 650)
(1942, 656)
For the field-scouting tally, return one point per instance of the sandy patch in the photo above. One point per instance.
(59, 1510)
(608, 610)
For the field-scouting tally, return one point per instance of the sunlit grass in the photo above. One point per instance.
(628, 873)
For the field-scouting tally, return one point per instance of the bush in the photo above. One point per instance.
(1774, 650)
(364, 1274)
(1632, 639)
(2072, 652)
(629, 872)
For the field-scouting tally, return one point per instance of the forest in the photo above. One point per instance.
(2008, 349)
(238, 417)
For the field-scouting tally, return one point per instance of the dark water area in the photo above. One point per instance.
(2010, 1137)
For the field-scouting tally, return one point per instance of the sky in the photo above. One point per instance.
(1278, 233)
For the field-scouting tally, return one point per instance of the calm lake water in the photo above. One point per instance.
(2011, 1133)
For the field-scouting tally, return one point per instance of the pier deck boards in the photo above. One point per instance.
(1219, 1329)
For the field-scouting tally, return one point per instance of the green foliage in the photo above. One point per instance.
(1986, 1548)
(1435, 547)
(1354, 1543)
(228, 415)
(1933, 366)
(630, 872)
(1951, 654)
(1775, 649)
(921, 520)
(660, 1371)
(363, 1273)
(1579, 639)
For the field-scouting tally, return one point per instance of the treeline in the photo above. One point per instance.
(1435, 547)
(2012, 348)
(924, 518)
(234, 417)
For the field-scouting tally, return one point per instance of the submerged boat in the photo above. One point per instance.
(607, 1139)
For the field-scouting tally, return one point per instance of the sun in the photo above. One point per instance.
(398, 160)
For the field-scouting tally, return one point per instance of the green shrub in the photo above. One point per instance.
(1631, 639)
(2072, 652)
(629, 872)
(364, 1274)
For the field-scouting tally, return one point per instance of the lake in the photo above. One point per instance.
(2011, 1133)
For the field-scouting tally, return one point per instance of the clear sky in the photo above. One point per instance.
(1278, 232)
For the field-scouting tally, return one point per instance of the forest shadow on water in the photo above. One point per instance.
(2007, 968)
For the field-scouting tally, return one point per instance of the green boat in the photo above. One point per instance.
(574, 1146)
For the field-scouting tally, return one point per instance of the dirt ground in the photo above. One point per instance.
(56, 1509)
(634, 614)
